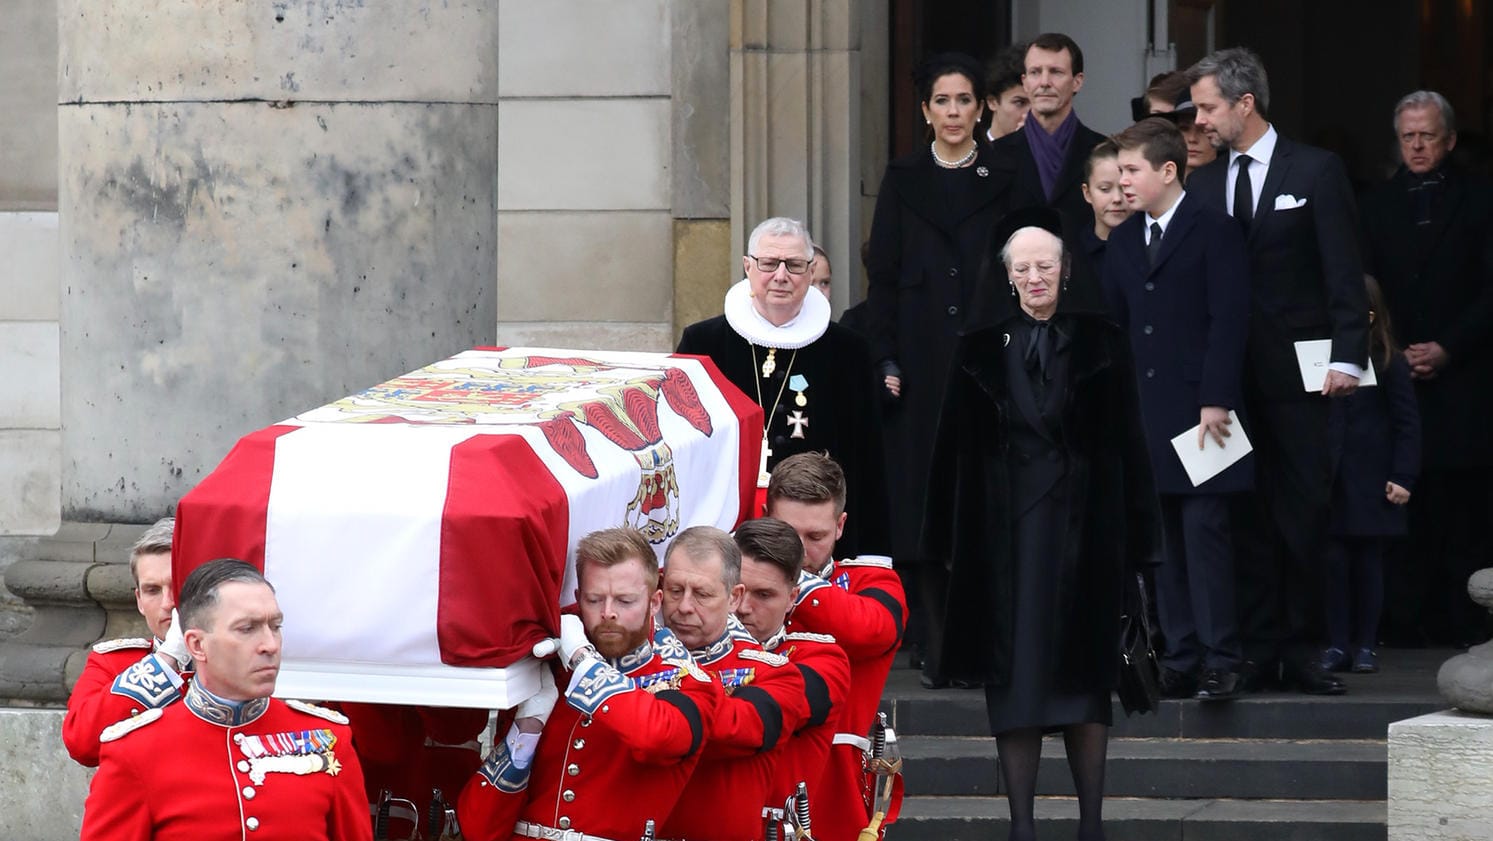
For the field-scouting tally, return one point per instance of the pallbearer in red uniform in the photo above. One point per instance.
(229, 762)
(857, 600)
(126, 677)
(772, 557)
(765, 700)
(618, 752)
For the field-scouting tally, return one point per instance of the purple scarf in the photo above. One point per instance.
(1050, 150)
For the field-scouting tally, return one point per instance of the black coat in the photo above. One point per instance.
(1305, 269)
(1113, 529)
(1188, 320)
(841, 407)
(1438, 285)
(1026, 190)
(1375, 435)
(923, 265)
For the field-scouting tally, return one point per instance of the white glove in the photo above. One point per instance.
(573, 641)
(174, 646)
(541, 703)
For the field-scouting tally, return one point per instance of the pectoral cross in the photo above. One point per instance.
(763, 477)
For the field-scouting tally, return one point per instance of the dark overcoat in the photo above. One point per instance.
(1188, 320)
(1438, 285)
(923, 265)
(1306, 274)
(1375, 438)
(1026, 188)
(1112, 527)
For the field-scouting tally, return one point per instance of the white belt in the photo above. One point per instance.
(549, 833)
(851, 739)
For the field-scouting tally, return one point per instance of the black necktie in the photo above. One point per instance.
(1038, 348)
(1244, 195)
(1153, 248)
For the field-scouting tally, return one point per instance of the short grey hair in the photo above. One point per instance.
(703, 542)
(155, 541)
(1006, 249)
(1427, 99)
(1237, 71)
(781, 226)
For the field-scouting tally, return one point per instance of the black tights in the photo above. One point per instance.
(1021, 752)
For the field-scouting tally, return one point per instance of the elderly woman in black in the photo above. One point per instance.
(933, 217)
(1041, 504)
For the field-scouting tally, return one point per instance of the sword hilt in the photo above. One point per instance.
(381, 816)
(648, 831)
(801, 810)
(878, 736)
(435, 815)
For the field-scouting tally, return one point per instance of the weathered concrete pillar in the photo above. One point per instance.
(264, 206)
(796, 121)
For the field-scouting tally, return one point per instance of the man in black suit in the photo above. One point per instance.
(1049, 151)
(1296, 206)
(1428, 238)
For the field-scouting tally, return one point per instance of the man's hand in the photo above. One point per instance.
(1339, 384)
(535, 710)
(1396, 494)
(174, 645)
(1426, 359)
(1214, 421)
(573, 641)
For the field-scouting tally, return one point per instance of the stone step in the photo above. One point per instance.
(957, 712)
(985, 818)
(1337, 769)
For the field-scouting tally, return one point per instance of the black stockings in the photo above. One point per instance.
(1021, 753)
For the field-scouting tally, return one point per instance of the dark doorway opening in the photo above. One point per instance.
(920, 28)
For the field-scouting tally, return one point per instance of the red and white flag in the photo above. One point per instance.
(429, 522)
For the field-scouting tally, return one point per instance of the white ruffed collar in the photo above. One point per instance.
(801, 330)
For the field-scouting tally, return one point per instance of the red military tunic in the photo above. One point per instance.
(860, 602)
(122, 678)
(826, 672)
(185, 773)
(765, 704)
(615, 754)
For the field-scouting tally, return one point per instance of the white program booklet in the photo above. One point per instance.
(1211, 460)
(1314, 355)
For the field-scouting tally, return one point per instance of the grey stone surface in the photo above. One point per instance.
(15, 614)
(28, 99)
(31, 464)
(314, 50)
(701, 141)
(1480, 587)
(620, 49)
(29, 358)
(44, 789)
(1439, 778)
(614, 262)
(29, 272)
(1467, 680)
(230, 264)
(584, 154)
(588, 335)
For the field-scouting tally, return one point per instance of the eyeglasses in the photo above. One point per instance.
(770, 264)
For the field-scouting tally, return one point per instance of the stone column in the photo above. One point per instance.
(795, 122)
(264, 206)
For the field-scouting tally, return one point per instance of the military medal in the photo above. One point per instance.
(301, 752)
(770, 364)
(800, 384)
(798, 422)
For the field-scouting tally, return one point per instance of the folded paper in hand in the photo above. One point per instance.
(1211, 460)
(1314, 355)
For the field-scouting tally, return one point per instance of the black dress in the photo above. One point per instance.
(1041, 509)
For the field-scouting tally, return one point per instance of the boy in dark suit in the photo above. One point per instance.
(1175, 273)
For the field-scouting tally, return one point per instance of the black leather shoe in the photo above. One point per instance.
(1218, 685)
(930, 683)
(1175, 684)
(1309, 677)
(1253, 677)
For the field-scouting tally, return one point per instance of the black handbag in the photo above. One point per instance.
(1139, 686)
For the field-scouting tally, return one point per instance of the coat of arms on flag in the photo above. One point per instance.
(428, 522)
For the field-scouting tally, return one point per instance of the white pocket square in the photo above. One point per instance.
(1286, 201)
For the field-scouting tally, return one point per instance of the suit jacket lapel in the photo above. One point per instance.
(1280, 163)
(1182, 222)
(1027, 179)
(918, 188)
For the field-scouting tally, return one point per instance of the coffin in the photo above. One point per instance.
(420, 534)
